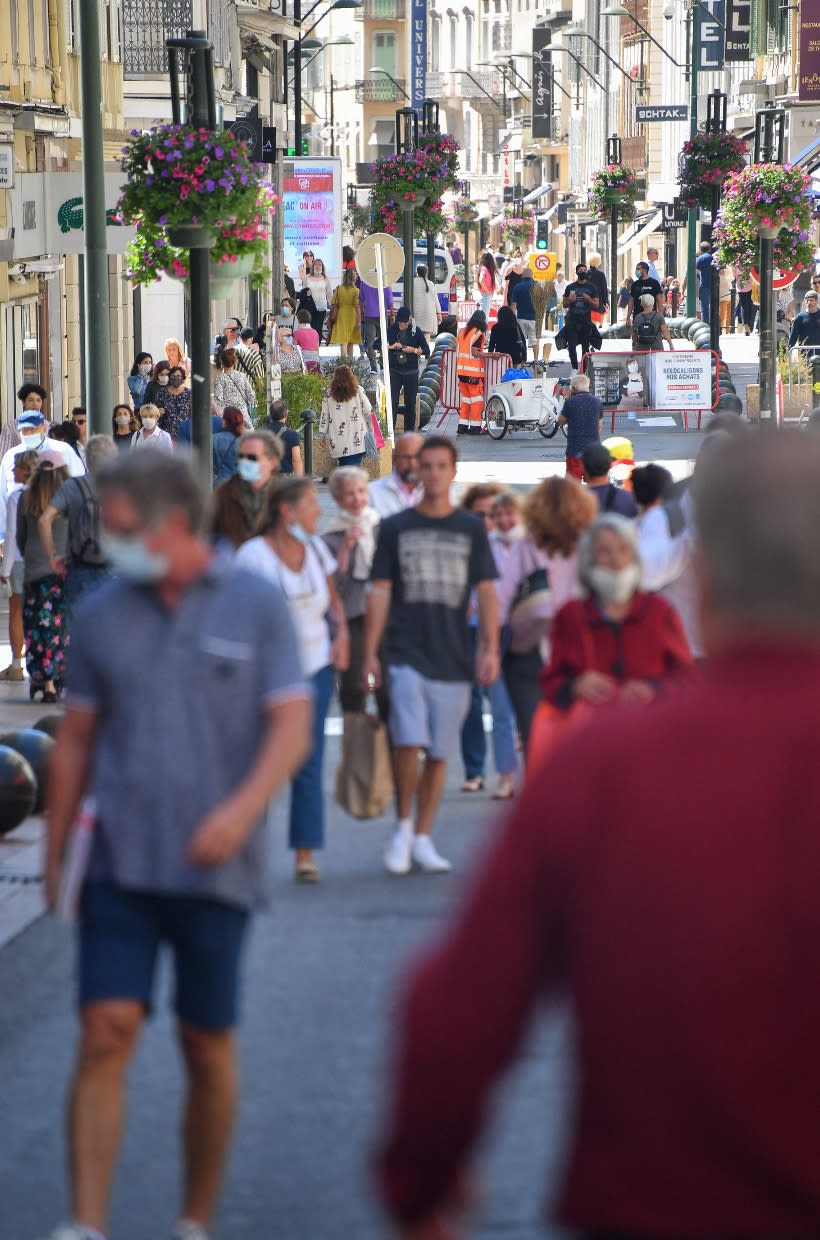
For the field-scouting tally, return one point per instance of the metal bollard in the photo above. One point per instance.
(308, 418)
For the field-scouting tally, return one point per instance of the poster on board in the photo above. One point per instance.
(312, 213)
(655, 382)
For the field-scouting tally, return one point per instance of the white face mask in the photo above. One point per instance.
(249, 471)
(299, 533)
(149, 423)
(123, 419)
(33, 438)
(146, 369)
(615, 585)
(130, 558)
(162, 380)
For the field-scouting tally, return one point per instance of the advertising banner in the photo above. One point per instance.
(418, 53)
(651, 382)
(738, 31)
(542, 102)
(712, 32)
(312, 213)
(809, 88)
(680, 380)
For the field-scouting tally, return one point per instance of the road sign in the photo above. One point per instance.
(780, 279)
(674, 213)
(543, 266)
(268, 144)
(248, 129)
(392, 256)
(645, 112)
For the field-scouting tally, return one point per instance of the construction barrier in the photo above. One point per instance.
(493, 367)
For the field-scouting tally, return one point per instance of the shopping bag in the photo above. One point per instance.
(364, 780)
(377, 430)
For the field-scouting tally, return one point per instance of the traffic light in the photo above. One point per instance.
(291, 151)
(542, 234)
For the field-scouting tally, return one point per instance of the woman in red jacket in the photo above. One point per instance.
(619, 643)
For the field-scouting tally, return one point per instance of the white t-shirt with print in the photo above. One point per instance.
(306, 592)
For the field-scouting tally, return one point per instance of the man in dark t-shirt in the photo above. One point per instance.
(582, 415)
(428, 562)
(580, 299)
(642, 284)
(277, 422)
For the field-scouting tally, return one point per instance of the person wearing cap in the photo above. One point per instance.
(406, 343)
(806, 327)
(32, 428)
(583, 416)
(596, 460)
(32, 397)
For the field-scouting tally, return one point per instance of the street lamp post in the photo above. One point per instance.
(201, 113)
(407, 139)
(693, 43)
(430, 124)
(465, 193)
(715, 123)
(613, 156)
(298, 19)
(769, 134)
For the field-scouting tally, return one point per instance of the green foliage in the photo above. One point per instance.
(302, 392)
(260, 387)
(614, 185)
(771, 196)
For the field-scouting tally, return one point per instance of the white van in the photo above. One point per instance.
(442, 276)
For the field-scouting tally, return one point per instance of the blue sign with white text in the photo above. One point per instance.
(418, 53)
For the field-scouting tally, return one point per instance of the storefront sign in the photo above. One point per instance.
(49, 218)
(661, 112)
(738, 31)
(712, 32)
(312, 213)
(809, 88)
(418, 53)
(542, 101)
(674, 214)
(6, 167)
(651, 382)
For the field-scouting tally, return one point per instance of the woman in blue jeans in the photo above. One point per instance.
(480, 500)
(288, 553)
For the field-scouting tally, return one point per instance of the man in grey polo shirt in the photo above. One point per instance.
(178, 854)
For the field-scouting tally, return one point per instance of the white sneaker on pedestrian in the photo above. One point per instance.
(73, 1231)
(13, 672)
(186, 1230)
(398, 854)
(427, 857)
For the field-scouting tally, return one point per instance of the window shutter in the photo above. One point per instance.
(757, 31)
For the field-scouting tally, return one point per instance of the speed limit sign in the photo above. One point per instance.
(543, 265)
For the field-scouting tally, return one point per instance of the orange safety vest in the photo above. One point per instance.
(467, 366)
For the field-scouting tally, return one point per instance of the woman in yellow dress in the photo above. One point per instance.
(346, 315)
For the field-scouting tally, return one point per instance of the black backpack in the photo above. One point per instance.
(647, 332)
(85, 538)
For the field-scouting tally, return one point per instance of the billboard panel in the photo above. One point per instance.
(312, 213)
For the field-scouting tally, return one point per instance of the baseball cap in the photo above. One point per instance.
(596, 460)
(403, 313)
(31, 417)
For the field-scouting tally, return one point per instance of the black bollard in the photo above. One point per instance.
(308, 418)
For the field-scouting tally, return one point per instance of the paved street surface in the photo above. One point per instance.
(321, 971)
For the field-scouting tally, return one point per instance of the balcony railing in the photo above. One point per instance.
(382, 11)
(457, 85)
(146, 24)
(380, 90)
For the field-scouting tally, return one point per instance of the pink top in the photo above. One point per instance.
(306, 338)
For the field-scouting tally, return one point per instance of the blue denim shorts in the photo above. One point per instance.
(120, 936)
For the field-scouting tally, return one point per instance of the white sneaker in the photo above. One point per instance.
(72, 1231)
(397, 855)
(186, 1230)
(427, 857)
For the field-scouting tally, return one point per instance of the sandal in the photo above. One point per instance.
(504, 789)
(474, 784)
(307, 872)
(50, 696)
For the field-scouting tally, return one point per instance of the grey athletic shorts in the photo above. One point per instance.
(426, 713)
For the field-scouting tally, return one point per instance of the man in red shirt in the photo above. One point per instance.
(664, 875)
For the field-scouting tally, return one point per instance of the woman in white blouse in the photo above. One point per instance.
(426, 308)
(321, 290)
(150, 436)
(288, 553)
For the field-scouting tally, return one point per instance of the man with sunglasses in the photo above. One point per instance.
(238, 501)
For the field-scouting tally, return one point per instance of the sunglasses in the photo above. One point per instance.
(247, 456)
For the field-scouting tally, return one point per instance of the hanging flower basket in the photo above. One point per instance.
(519, 230)
(614, 185)
(765, 200)
(357, 220)
(442, 150)
(706, 161)
(180, 178)
(463, 214)
(413, 181)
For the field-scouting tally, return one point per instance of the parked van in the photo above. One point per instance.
(442, 276)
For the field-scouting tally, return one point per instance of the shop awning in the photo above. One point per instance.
(638, 230)
(535, 194)
(809, 158)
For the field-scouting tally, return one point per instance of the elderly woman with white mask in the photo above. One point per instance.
(618, 643)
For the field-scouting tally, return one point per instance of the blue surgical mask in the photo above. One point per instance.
(249, 471)
(299, 533)
(129, 557)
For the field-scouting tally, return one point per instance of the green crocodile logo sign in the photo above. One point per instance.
(70, 216)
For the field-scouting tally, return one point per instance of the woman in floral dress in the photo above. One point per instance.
(44, 617)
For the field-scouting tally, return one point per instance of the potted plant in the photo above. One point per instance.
(463, 214)
(707, 160)
(519, 230)
(765, 200)
(415, 180)
(614, 185)
(357, 220)
(187, 186)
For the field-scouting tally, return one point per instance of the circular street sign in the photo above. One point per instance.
(781, 279)
(543, 265)
(392, 259)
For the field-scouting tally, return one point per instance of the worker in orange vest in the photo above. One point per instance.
(470, 371)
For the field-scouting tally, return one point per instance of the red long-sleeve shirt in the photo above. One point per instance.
(649, 644)
(674, 892)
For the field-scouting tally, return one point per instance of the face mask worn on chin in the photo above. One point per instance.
(149, 423)
(129, 557)
(615, 585)
(249, 471)
(299, 533)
